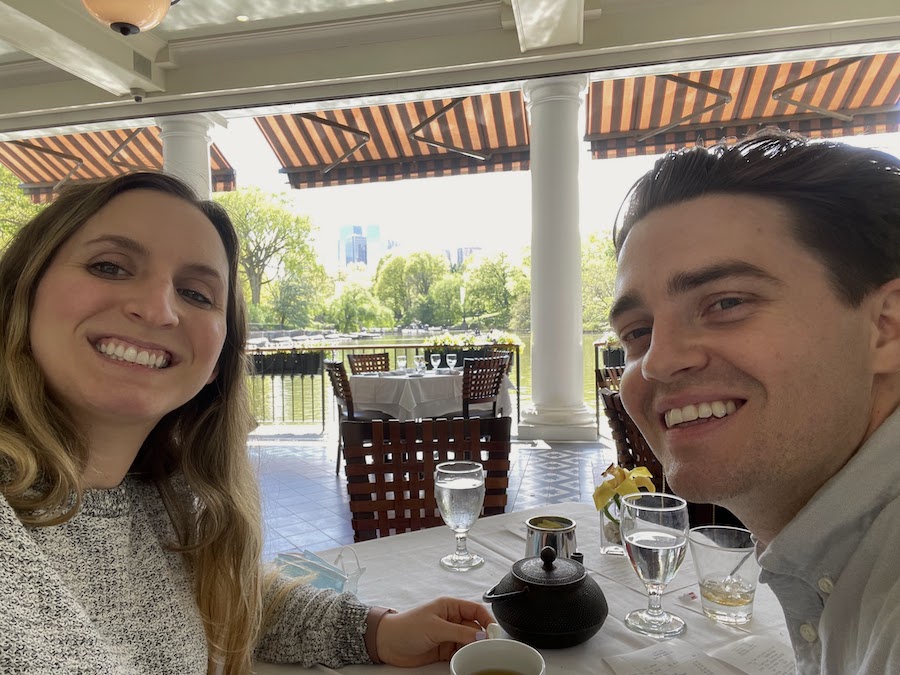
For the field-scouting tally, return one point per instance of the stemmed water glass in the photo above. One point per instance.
(401, 361)
(419, 361)
(435, 361)
(451, 361)
(459, 491)
(654, 529)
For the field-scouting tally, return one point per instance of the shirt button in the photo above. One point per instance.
(826, 585)
(808, 633)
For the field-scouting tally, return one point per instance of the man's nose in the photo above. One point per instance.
(154, 302)
(674, 349)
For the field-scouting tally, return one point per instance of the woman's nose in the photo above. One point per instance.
(153, 302)
(673, 350)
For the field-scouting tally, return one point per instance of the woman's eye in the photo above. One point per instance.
(107, 269)
(196, 297)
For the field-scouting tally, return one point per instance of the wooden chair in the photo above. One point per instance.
(390, 469)
(369, 363)
(608, 377)
(633, 450)
(482, 379)
(340, 386)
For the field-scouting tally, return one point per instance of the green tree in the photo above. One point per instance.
(445, 306)
(16, 208)
(357, 307)
(598, 278)
(390, 286)
(275, 242)
(491, 287)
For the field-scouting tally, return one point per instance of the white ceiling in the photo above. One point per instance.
(59, 68)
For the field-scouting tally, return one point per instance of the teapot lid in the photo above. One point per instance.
(548, 570)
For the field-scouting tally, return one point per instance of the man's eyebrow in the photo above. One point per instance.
(136, 247)
(684, 282)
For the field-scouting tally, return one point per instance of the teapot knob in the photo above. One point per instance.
(548, 555)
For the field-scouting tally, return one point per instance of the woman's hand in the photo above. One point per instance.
(430, 632)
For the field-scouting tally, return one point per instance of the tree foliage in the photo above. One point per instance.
(16, 208)
(404, 284)
(492, 284)
(357, 307)
(598, 279)
(275, 242)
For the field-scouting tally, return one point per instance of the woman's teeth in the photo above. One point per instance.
(704, 410)
(131, 354)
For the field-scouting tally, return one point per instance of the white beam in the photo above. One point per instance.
(63, 34)
(548, 23)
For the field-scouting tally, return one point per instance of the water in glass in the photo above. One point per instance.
(419, 361)
(459, 491)
(401, 361)
(451, 361)
(654, 529)
(435, 360)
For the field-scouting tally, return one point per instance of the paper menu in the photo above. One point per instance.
(753, 655)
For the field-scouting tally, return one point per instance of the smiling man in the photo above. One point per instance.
(758, 300)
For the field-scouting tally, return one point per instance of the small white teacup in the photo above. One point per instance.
(497, 656)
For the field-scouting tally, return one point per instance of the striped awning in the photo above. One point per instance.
(832, 97)
(45, 164)
(441, 137)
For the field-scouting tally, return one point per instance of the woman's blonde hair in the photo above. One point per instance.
(42, 455)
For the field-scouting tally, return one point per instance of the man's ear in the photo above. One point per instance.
(886, 309)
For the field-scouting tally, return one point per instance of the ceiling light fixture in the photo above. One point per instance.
(129, 17)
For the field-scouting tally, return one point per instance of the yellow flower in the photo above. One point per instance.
(620, 482)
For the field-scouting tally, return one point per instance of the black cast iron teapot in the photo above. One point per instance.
(548, 602)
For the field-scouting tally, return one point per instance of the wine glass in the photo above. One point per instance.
(459, 491)
(419, 361)
(435, 361)
(451, 361)
(654, 529)
(401, 361)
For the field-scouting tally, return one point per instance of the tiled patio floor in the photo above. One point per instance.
(305, 503)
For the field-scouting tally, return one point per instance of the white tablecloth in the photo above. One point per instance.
(408, 398)
(403, 571)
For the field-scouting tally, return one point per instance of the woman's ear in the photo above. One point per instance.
(886, 308)
(215, 374)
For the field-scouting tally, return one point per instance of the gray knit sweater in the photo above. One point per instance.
(101, 594)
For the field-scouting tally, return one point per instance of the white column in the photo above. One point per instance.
(558, 411)
(186, 140)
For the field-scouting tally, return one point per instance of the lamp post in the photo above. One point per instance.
(462, 304)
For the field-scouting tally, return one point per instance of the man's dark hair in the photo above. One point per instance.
(845, 200)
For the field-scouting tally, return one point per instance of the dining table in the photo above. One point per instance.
(409, 395)
(403, 571)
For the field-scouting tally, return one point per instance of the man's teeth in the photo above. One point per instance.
(704, 410)
(143, 357)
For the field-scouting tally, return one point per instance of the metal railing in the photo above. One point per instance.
(288, 385)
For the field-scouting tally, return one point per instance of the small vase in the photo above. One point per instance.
(610, 535)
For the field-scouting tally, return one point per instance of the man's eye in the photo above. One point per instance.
(106, 269)
(727, 303)
(636, 334)
(196, 297)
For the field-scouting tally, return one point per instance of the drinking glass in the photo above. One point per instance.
(459, 490)
(451, 361)
(401, 361)
(419, 360)
(655, 532)
(435, 361)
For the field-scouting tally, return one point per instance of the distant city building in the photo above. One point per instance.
(356, 246)
(463, 253)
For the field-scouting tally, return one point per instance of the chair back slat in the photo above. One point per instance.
(369, 363)
(340, 385)
(482, 379)
(608, 377)
(390, 469)
(632, 448)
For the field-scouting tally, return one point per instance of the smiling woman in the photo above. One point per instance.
(128, 505)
